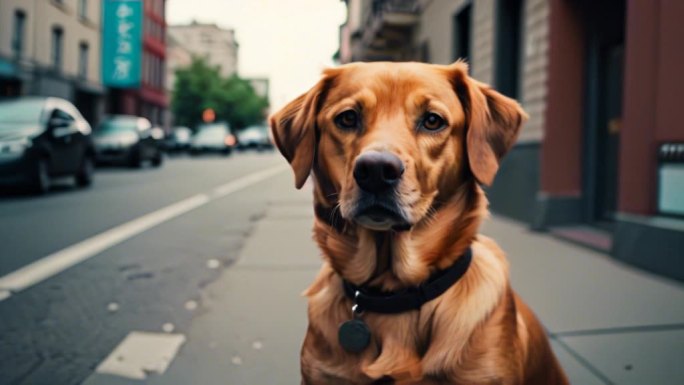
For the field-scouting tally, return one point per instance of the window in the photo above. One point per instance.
(83, 49)
(83, 9)
(57, 47)
(461, 32)
(18, 33)
(144, 67)
(425, 52)
(157, 63)
(61, 114)
(508, 46)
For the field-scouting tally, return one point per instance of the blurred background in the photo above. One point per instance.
(150, 234)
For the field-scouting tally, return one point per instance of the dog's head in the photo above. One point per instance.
(390, 141)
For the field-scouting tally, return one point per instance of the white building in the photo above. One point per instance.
(52, 47)
(216, 45)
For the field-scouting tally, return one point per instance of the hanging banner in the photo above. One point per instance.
(122, 43)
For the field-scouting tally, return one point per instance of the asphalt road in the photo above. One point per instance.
(58, 330)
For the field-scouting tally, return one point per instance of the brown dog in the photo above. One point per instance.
(398, 151)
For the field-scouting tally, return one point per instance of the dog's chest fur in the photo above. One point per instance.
(443, 342)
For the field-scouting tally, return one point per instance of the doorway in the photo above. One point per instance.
(605, 42)
(87, 104)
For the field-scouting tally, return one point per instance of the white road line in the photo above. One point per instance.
(4, 294)
(142, 353)
(246, 181)
(57, 262)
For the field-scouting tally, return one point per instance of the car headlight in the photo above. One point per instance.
(15, 146)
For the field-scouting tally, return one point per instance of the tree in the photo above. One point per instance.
(200, 86)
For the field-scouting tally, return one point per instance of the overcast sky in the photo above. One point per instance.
(288, 41)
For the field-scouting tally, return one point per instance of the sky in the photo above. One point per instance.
(288, 41)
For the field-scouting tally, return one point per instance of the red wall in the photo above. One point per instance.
(653, 94)
(561, 163)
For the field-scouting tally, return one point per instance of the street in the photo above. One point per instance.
(57, 331)
(221, 280)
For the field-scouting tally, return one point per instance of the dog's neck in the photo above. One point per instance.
(393, 260)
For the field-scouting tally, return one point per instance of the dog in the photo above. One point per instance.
(409, 292)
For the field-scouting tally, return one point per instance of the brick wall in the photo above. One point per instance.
(482, 48)
(534, 67)
(436, 29)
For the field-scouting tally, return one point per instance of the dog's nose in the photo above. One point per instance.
(376, 171)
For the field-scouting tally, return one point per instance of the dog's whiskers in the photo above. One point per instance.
(333, 213)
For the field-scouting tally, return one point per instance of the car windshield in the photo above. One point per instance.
(212, 132)
(117, 126)
(21, 111)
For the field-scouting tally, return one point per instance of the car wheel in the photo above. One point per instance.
(227, 152)
(84, 176)
(158, 159)
(41, 178)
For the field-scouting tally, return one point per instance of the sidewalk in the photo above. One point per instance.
(610, 324)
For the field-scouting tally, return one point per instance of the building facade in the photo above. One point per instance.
(151, 99)
(260, 86)
(601, 160)
(216, 45)
(52, 48)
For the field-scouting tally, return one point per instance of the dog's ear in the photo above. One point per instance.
(493, 122)
(294, 130)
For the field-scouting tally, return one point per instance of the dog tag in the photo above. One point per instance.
(354, 335)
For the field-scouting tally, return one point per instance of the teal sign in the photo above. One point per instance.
(122, 43)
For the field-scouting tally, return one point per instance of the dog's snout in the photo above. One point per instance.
(376, 171)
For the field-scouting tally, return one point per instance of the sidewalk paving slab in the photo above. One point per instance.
(635, 358)
(572, 288)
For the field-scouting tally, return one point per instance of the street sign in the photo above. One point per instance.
(122, 43)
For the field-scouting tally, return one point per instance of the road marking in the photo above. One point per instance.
(59, 261)
(239, 184)
(4, 294)
(141, 353)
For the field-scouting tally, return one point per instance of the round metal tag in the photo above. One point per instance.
(354, 335)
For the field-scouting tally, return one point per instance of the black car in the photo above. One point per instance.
(42, 138)
(129, 140)
(179, 140)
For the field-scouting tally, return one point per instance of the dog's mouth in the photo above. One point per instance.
(381, 216)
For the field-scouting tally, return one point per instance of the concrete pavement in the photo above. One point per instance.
(609, 323)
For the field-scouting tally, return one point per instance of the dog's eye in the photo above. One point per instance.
(433, 122)
(347, 120)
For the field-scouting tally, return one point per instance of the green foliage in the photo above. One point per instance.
(201, 86)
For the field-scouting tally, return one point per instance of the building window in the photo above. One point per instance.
(18, 33)
(83, 49)
(57, 47)
(144, 67)
(83, 9)
(425, 52)
(508, 46)
(461, 33)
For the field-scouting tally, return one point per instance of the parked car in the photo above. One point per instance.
(256, 137)
(42, 138)
(213, 137)
(130, 140)
(178, 140)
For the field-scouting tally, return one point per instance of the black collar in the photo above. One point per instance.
(412, 298)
